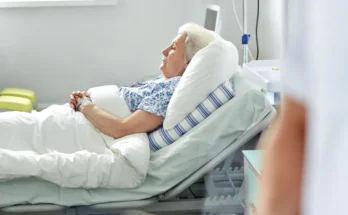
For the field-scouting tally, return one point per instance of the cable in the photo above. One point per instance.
(240, 26)
(234, 189)
(256, 30)
(235, 13)
(192, 193)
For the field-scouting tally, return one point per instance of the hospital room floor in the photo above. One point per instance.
(125, 213)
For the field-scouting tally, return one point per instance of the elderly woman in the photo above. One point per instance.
(148, 100)
(85, 148)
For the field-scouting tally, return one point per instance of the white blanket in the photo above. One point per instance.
(61, 146)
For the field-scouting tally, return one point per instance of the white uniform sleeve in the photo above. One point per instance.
(294, 61)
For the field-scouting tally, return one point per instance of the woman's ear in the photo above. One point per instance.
(187, 63)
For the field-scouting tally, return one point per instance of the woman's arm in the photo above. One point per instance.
(138, 122)
(284, 159)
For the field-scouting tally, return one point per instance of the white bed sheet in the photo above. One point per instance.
(168, 166)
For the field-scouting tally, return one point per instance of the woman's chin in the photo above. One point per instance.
(163, 73)
(162, 68)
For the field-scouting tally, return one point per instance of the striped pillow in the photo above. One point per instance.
(161, 138)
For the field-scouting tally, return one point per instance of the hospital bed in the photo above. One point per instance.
(173, 169)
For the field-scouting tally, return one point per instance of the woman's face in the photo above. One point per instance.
(173, 61)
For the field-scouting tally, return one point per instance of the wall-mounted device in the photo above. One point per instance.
(213, 18)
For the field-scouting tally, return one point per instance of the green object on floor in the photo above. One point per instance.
(19, 92)
(15, 103)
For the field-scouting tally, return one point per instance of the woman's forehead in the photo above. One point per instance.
(179, 38)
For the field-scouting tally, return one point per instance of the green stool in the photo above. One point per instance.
(12, 103)
(21, 93)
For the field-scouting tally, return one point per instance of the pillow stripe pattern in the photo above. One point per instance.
(161, 138)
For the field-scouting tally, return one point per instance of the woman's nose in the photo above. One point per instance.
(165, 52)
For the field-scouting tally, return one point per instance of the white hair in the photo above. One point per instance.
(197, 38)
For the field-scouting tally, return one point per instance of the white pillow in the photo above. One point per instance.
(110, 99)
(210, 67)
(133, 148)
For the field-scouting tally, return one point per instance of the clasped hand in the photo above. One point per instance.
(76, 96)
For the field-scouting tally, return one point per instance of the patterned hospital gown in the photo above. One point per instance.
(152, 96)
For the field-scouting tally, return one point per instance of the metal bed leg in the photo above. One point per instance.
(210, 185)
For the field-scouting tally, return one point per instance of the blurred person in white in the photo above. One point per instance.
(305, 165)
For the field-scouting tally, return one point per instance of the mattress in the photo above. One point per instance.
(168, 166)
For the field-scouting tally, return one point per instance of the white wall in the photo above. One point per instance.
(57, 50)
(269, 30)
